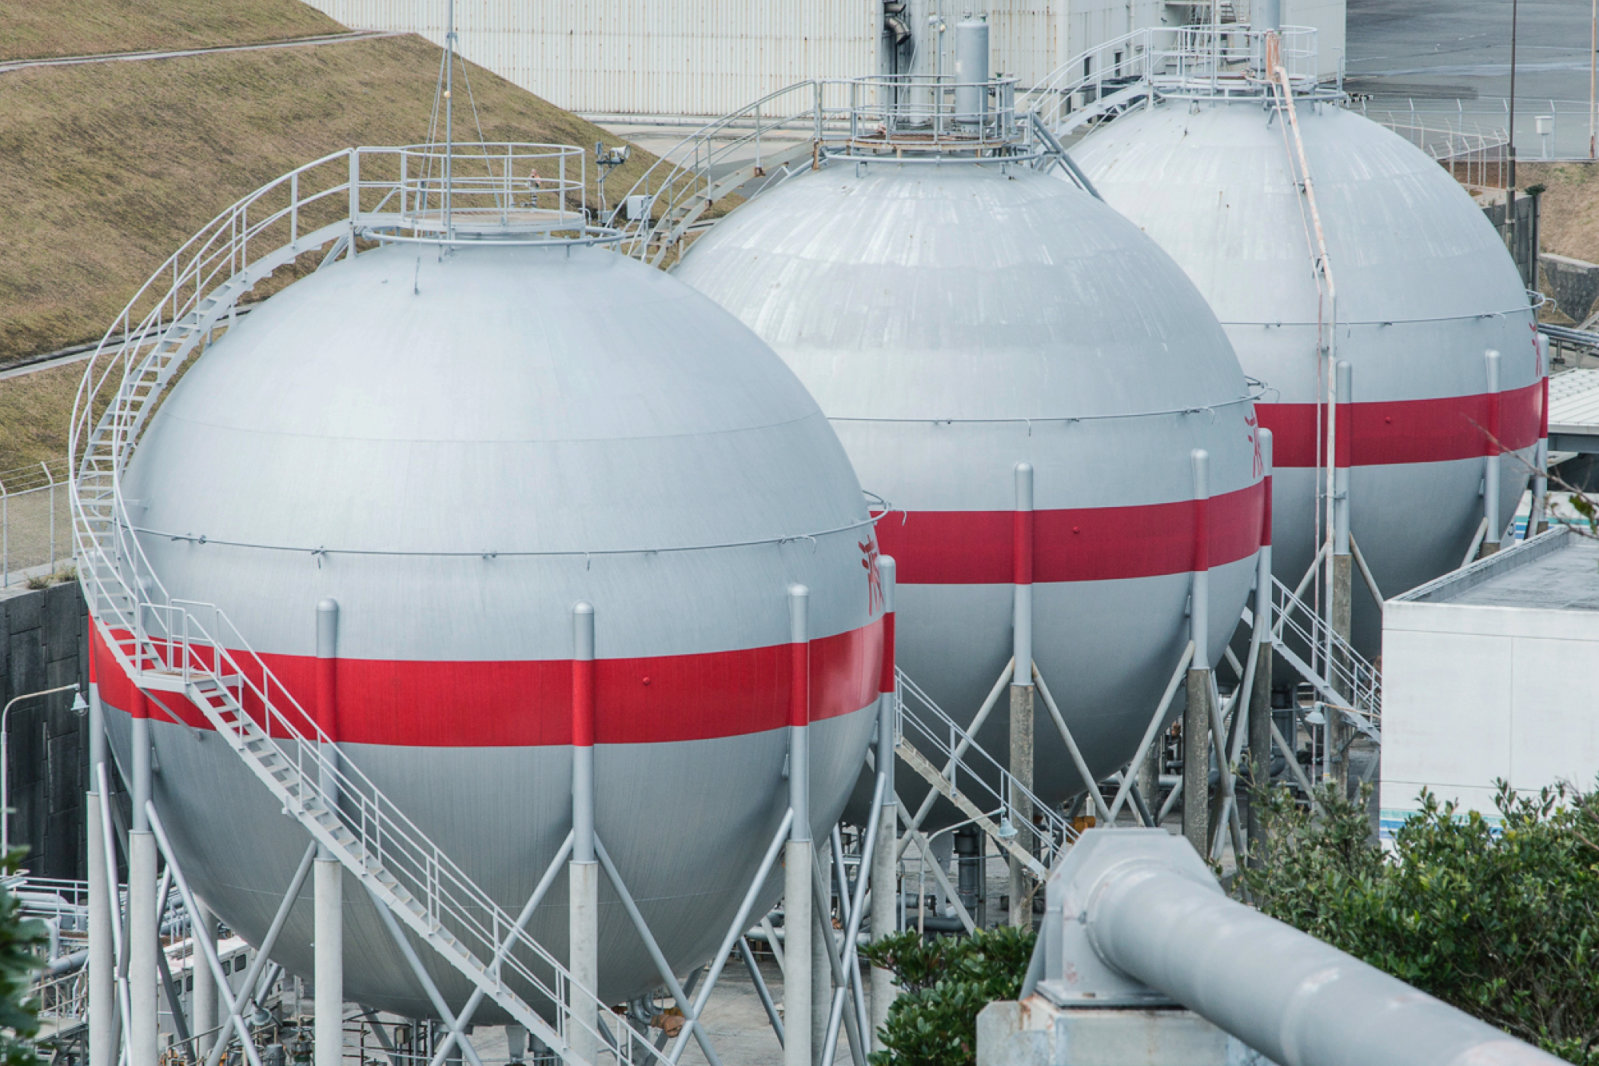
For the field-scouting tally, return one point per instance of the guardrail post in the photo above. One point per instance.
(583, 870)
(797, 852)
(355, 190)
(1196, 716)
(1021, 686)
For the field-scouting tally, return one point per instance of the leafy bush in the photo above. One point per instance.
(19, 940)
(944, 982)
(1498, 919)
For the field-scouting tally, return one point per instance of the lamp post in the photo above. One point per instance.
(78, 705)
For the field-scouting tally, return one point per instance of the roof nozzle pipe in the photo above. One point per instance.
(1270, 19)
(971, 70)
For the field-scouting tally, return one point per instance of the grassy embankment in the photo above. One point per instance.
(105, 169)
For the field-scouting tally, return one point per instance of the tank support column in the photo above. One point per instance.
(1495, 524)
(1021, 686)
(143, 907)
(203, 1007)
(798, 852)
(1538, 518)
(1336, 730)
(583, 872)
(328, 875)
(885, 880)
(102, 959)
(1259, 761)
(1196, 716)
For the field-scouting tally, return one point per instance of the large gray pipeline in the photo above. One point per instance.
(1269, 15)
(1153, 913)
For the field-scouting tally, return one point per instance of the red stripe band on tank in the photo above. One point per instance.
(1073, 544)
(524, 703)
(1410, 431)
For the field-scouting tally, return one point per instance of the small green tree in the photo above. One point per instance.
(1498, 919)
(20, 940)
(945, 981)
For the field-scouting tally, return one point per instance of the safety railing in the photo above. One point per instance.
(1187, 61)
(34, 514)
(161, 642)
(464, 187)
(1355, 683)
(973, 772)
(922, 113)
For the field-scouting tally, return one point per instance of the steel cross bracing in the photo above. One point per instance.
(949, 759)
(191, 648)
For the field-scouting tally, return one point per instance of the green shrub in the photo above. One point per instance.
(944, 982)
(1499, 919)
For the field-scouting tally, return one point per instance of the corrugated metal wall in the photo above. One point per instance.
(705, 57)
(709, 57)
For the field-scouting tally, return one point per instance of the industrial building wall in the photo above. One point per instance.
(668, 57)
(1031, 38)
(1472, 693)
(44, 643)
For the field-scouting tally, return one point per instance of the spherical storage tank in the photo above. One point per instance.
(457, 445)
(1424, 287)
(957, 318)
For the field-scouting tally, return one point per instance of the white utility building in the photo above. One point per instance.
(688, 58)
(1485, 676)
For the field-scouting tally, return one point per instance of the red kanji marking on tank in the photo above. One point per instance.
(1254, 441)
(874, 580)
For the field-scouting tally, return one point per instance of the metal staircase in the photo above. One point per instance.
(949, 759)
(192, 649)
(1343, 678)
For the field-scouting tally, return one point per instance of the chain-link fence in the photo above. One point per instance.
(35, 522)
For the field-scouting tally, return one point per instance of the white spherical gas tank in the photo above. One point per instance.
(1424, 287)
(958, 319)
(457, 446)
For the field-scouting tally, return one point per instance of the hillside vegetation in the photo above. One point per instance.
(106, 168)
(41, 29)
(1569, 215)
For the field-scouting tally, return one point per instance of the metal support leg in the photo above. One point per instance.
(1021, 689)
(754, 970)
(798, 856)
(203, 1007)
(1197, 715)
(583, 873)
(102, 894)
(328, 921)
(885, 863)
(1490, 481)
(143, 909)
(821, 974)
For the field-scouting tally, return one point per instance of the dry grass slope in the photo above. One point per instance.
(40, 29)
(1570, 210)
(105, 169)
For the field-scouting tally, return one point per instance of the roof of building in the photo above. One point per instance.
(1557, 570)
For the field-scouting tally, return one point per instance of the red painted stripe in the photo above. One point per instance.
(1411, 431)
(1022, 548)
(583, 703)
(1265, 515)
(1075, 544)
(529, 703)
(885, 678)
(799, 684)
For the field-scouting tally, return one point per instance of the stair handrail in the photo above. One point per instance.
(943, 737)
(684, 171)
(1348, 672)
(148, 632)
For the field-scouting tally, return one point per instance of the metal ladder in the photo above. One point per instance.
(192, 648)
(949, 759)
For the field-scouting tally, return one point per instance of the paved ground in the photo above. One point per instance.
(1453, 56)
